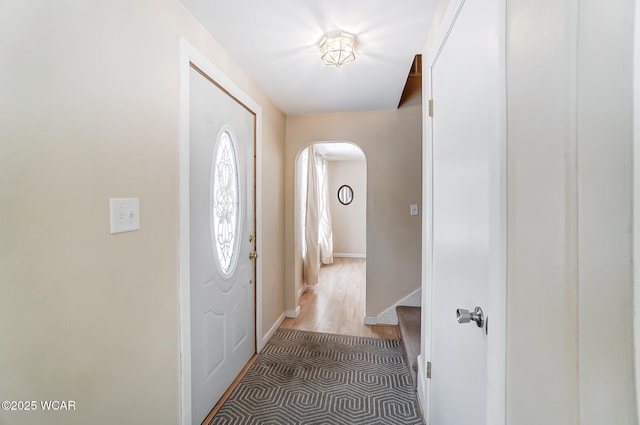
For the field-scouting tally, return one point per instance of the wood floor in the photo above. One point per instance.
(337, 304)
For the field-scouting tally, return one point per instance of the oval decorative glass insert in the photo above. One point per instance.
(225, 193)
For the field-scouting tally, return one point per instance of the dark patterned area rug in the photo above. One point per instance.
(314, 378)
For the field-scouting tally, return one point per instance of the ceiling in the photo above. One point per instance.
(276, 42)
(341, 151)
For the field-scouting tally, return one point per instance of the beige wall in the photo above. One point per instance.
(391, 143)
(570, 340)
(349, 221)
(273, 136)
(89, 111)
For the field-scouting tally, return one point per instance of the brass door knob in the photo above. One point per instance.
(253, 255)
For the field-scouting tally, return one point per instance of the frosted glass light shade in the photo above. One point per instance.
(338, 48)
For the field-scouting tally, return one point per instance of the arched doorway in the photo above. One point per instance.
(340, 292)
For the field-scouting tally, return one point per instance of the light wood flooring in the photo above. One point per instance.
(337, 303)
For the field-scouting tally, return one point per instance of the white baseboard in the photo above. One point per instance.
(370, 320)
(295, 312)
(389, 317)
(301, 291)
(422, 390)
(347, 255)
(273, 330)
(292, 313)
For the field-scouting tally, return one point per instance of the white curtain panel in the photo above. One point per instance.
(312, 222)
(325, 237)
(317, 219)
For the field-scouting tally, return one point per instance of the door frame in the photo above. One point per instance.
(300, 286)
(497, 296)
(187, 55)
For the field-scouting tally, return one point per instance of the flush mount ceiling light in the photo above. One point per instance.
(338, 48)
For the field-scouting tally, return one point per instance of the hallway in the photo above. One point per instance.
(337, 304)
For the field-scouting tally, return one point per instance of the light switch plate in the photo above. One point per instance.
(413, 209)
(124, 214)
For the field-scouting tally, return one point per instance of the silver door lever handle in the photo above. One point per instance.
(466, 316)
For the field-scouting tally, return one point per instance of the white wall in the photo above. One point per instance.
(542, 213)
(570, 354)
(569, 342)
(636, 201)
(349, 221)
(605, 167)
(89, 111)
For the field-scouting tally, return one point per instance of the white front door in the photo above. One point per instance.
(467, 211)
(221, 233)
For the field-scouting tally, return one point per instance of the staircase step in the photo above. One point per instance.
(409, 321)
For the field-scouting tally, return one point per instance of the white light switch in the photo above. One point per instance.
(124, 214)
(413, 209)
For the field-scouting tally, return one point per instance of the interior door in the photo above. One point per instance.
(466, 210)
(221, 214)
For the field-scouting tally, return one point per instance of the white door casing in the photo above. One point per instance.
(465, 183)
(218, 303)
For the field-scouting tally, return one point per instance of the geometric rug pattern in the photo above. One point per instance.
(316, 378)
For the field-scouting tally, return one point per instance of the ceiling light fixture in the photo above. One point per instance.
(338, 48)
